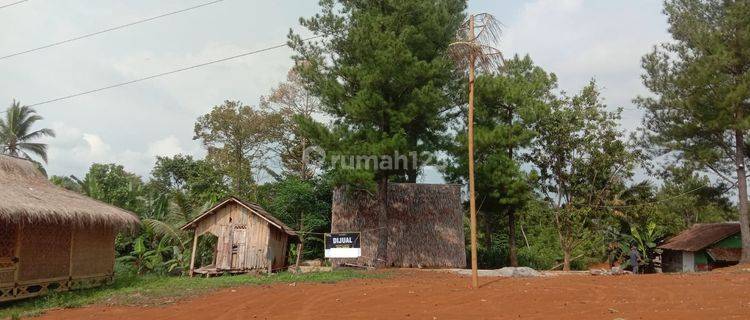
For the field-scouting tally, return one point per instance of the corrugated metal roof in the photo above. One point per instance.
(701, 235)
(725, 254)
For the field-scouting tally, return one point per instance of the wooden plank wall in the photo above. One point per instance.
(257, 241)
(278, 244)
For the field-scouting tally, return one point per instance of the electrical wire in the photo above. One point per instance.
(88, 35)
(12, 4)
(164, 73)
(655, 202)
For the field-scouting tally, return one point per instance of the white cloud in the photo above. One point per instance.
(580, 40)
(168, 147)
(73, 151)
(95, 150)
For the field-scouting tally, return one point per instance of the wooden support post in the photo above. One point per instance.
(472, 196)
(70, 262)
(19, 229)
(192, 254)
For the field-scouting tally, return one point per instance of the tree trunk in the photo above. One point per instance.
(301, 244)
(566, 259)
(381, 259)
(511, 211)
(742, 191)
(300, 248)
(512, 238)
(487, 232)
(412, 175)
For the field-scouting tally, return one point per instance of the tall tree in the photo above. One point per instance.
(581, 157)
(237, 138)
(291, 100)
(17, 135)
(508, 106)
(700, 110)
(381, 72)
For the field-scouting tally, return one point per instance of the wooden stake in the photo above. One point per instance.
(192, 253)
(472, 198)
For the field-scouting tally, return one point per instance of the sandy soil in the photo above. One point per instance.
(434, 295)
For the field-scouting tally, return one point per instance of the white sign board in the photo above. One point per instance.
(342, 245)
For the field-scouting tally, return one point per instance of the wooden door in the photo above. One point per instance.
(224, 248)
(8, 254)
(239, 247)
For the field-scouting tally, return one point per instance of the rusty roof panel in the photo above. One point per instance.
(725, 254)
(701, 235)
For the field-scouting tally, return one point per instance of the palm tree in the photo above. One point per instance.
(16, 136)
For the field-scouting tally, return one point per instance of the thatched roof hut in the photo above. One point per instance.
(27, 196)
(425, 225)
(52, 238)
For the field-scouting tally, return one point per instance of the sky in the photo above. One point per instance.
(576, 39)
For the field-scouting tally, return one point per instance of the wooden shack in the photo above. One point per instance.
(703, 247)
(52, 238)
(424, 225)
(249, 238)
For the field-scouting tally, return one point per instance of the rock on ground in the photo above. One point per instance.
(516, 272)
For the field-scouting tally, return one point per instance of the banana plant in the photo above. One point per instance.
(645, 240)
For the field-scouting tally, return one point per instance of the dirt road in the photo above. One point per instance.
(433, 295)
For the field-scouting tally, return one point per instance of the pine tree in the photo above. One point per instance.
(700, 111)
(508, 106)
(382, 74)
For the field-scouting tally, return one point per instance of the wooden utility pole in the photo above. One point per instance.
(472, 197)
(301, 234)
(474, 50)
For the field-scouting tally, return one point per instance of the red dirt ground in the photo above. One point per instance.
(411, 294)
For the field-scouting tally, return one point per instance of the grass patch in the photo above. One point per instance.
(131, 289)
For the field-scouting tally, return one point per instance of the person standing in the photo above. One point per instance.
(634, 257)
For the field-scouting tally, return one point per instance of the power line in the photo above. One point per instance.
(165, 73)
(12, 4)
(657, 201)
(88, 35)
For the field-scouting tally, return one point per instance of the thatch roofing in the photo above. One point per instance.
(701, 235)
(26, 196)
(252, 207)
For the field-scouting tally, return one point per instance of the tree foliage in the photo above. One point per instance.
(382, 74)
(509, 104)
(700, 110)
(236, 137)
(294, 104)
(17, 136)
(581, 157)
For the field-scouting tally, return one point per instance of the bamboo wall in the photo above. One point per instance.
(53, 257)
(425, 225)
(44, 252)
(93, 252)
